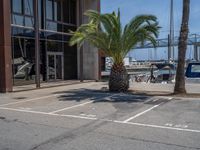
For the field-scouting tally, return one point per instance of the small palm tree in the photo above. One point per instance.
(105, 32)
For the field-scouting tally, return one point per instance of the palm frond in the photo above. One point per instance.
(105, 32)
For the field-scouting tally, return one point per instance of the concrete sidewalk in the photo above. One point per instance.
(166, 88)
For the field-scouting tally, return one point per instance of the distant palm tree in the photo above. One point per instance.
(182, 47)
(105, 32)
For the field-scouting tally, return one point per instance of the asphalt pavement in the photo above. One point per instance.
(87, 117)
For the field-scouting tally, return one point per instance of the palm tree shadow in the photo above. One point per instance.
(100, 96)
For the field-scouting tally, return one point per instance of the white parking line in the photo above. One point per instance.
(44, 113)
(107, 120)
(67, 108)
(29, 100)
(160, 127)
(142, 113)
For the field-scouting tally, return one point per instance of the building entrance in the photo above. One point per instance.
(54, 66)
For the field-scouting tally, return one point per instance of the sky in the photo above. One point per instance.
(161, 9)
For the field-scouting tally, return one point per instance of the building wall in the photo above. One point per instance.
(90, 53)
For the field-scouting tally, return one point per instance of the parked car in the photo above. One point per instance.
(193, 73)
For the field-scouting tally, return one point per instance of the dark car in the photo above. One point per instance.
(193, 73)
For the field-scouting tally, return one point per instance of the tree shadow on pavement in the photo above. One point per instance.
(100, 96)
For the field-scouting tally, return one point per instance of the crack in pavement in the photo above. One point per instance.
(70, 135)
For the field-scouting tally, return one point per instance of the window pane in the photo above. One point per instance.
(40, 3)
(66, 11)
(57, 10)
(29, 22)
(53, 26)
(17, 6)
(195, 68)
(18, 20)
(73, 12)
(49, 9)
(53, 46)
(28, 7)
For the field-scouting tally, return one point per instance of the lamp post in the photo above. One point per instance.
(37, 45)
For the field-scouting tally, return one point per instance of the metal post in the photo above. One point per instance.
(81, 4)
(172, 30)
(169, 48)
(37, 45)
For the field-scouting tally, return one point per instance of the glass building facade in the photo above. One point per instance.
(58, 61)
(20, 57)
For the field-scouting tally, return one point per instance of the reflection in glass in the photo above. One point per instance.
(73, 12)
(51, 67)
(29, 33)
(17, 6)
(23, 61)
(53, 26)
(65, 11)
(17, 31)
(53, 46)
(18, 20)
(57, 10)
(58, 67)
(29, 22)
(28, 5)
(49, 9)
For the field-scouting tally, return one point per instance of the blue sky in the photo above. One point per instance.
(159, 8)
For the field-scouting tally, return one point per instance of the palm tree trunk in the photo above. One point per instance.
(118, 81)
(182, 47)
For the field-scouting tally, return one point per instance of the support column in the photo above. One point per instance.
(5, 47)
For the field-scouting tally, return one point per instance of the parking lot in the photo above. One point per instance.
(85, 117)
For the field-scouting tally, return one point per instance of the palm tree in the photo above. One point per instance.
(105, 32)
(182, 47)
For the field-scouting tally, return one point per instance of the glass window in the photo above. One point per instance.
(73, 12)
(28, 5)
(23, 61)
(53, 46)
(40, 4)
(68, 28)
(57, 10)
(29, 33)
(195, 69)
(54, 36)
(18, 20)
(17, 6)
(29, 22)
(53, 26)
(65, 11)
(17, 31)
(49, 9)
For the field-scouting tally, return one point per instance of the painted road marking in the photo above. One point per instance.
(67, 108)
(176, 125)
(80, 105)
(113, 121)
(157, 126)
(29, 100)
(44, 113)
(142, 113)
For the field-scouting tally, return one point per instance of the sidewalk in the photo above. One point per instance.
(165, 88)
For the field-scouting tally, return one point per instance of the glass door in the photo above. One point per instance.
(54, 66)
